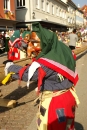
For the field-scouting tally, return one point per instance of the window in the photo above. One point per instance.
(57, 11)
(7, 4)
(65, 15)
(52, 9)
(37, 4)
(68, 9)
(68, 20)
(20, 3)
(47, 7)
(43, 5)
(60, 12)
(71, 11)
(71, 20)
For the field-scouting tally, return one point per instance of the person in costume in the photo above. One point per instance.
(55, 70)
(17, 37)
(18, 45)
(14, 38)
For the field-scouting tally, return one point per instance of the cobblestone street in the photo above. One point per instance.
(20, 117)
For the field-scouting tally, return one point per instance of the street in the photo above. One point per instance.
(35, 30)
(22, 117)
(81, 88)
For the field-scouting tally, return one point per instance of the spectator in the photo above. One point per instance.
(73, 38)
(7, 38)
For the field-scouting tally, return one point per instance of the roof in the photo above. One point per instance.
(9, 20)
(84, 10)
(72, 4)
(60, 1)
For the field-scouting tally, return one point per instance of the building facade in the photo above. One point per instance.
(84, 10)
(79, 18)
(71, 17)
(7, 14)
(44, 11)
(61, 14)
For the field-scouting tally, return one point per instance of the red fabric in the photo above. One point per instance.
(13, 54)
(41, 75)
(65, 101)
(21, 72)
(18, 41)
(74, 78)
(74, 56)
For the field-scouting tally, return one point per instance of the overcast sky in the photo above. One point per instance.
(80, 2)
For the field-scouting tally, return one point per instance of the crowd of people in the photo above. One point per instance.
(5, 36)
(75, 36)
(73, 39)
(4, 39)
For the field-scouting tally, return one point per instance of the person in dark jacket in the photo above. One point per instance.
(2, 42)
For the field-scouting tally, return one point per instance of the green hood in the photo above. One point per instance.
(25, 32)
(55, 54)
(15, 36)
(52, 48)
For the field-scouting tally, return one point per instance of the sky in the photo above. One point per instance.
(80, 2)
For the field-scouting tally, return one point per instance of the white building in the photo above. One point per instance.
(79, 18)
(59, 13)
(45, 11)
(71, 17)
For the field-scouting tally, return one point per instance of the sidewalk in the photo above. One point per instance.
(33, 125)
(23, 116)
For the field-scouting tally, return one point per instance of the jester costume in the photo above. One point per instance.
(55, 70)
(17, 45)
